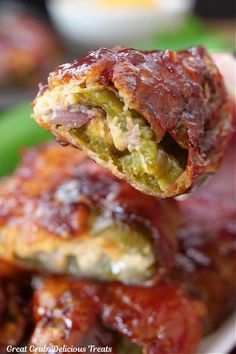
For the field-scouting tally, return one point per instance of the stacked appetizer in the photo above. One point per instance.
(110, 261)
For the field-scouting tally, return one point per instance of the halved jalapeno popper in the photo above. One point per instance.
(62, 212)
(160, 120)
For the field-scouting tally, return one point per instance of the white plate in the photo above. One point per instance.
(221, 341)
(86, 22)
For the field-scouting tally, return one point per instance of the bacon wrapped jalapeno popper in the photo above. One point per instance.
(128, 319)
(205, 262)
(160, 120)
(62, 212)
(199, 294)
(121, 314)
(160, 319)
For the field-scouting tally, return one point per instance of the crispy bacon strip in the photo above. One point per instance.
(206, 260)
(159, 319)
(66, 313)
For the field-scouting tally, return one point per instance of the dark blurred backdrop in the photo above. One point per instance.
(216, 9)
(207, 9)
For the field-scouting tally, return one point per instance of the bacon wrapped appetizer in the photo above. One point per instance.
(14, 299)
(159, 319)
(204, 269)
(159, 120)
(62, 212)
(206, 263)
(128, 319)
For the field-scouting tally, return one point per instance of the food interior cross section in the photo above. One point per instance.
(160, 120)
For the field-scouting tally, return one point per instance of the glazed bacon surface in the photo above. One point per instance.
(62, 212)
(66, 313)
(164, 116)
(191, 300)
(205, 263)
(160, 319)
(66, 309)
(204, 269)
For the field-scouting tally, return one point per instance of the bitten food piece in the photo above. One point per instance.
(62, 212)
(14, 301)
(159, 120)
(128, 319)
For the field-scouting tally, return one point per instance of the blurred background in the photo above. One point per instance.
(37, 35)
